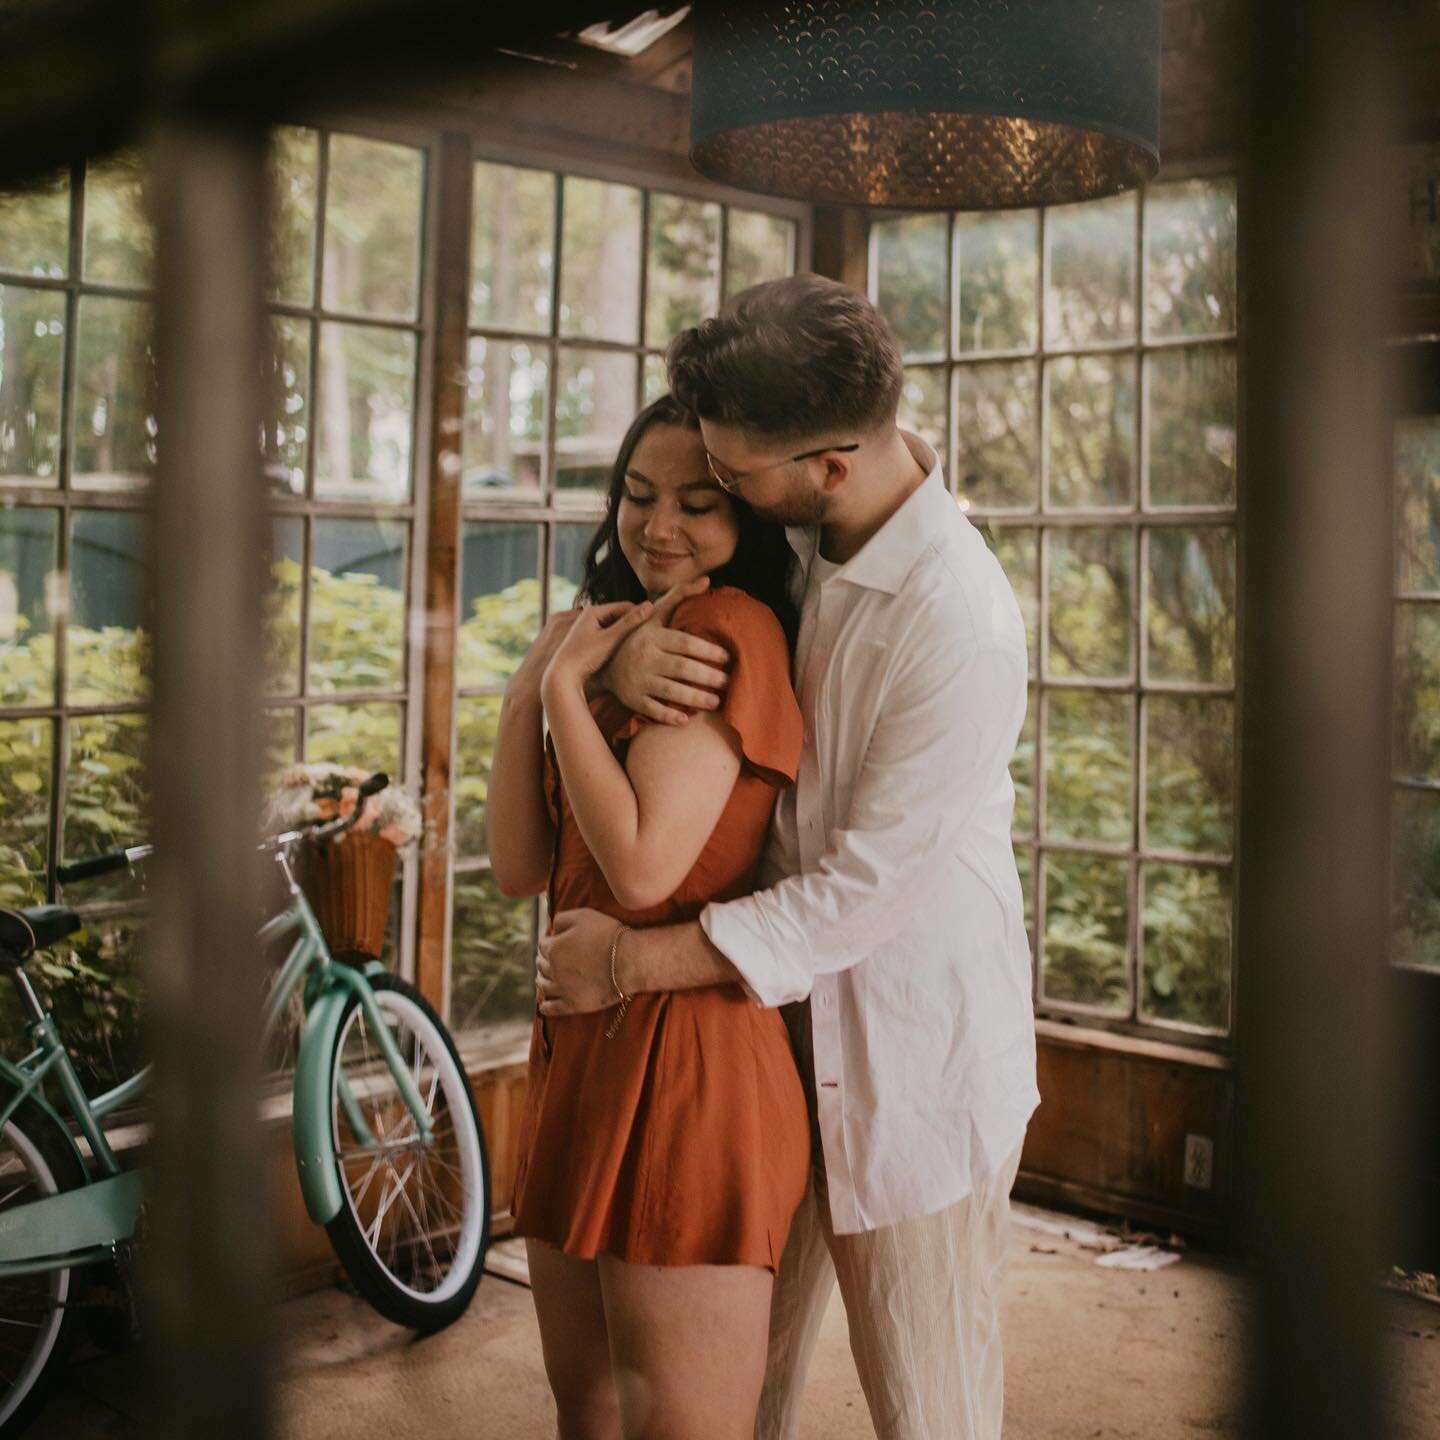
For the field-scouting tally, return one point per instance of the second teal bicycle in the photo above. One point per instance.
(388, 1145)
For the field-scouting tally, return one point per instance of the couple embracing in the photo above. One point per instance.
(784, 1033)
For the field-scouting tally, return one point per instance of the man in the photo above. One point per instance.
(892, 928)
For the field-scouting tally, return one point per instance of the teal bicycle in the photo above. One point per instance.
(389, 1148)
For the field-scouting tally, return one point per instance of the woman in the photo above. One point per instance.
(665, 1142)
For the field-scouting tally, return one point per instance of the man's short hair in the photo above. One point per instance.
(791, 360)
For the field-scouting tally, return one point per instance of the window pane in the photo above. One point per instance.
(922, 405)
(35, 228)
(32, 360)
(1089, 603)
(1186, 958)
(108, 640)
(492, 955)
(567, 566)
(656, 380)
(107, 798)
(512, 248)
(1417, 477)
(372, 228)
(682, 285)
(477, 719)
(119, 241)
(1192, 605)
(367, 736)
(1090, 410)
(998, 265)
(282, 745)
(25, 815)
(1417, 878)
(357, 606)
(600, 261)
(1015, 550)
(1417, 691)
(1022, 773)
(997, 436)
(499, 601)
(1090, 296)
(1088, 766)
(114, 424)
(1189, 773)
(1191, 395)
(29, 557)
(282, 606)
(366, 401)
(287, 427)
(594, 405)
(294, 174)
(504, 420)
(911, 277)
(1190, 258)
(760, 247)
(1087, 928)
(1025, 865)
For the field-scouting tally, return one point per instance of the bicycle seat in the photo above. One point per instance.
(22, 932)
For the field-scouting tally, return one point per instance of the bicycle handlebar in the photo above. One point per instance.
(92, 865)
(110, 860)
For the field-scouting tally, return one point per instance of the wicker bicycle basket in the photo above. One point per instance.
(347, 883)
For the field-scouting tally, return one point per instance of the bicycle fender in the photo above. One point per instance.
(314, 1140)
(10, 1075)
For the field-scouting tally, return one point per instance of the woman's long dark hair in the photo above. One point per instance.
(761, 565)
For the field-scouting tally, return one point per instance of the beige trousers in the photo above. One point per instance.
(922, 1299)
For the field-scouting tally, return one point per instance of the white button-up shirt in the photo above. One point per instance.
(900, 912)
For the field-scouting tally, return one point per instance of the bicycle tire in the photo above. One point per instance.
(422, 1268)
(34, 1146)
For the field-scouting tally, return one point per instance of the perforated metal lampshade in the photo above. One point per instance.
(956, 104)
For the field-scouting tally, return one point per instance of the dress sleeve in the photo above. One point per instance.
(759, 703)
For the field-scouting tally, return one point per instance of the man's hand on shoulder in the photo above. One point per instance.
(657, 669)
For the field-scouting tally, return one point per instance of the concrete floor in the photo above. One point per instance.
(1090, 1352)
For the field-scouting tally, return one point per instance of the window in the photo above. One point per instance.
(78, 445)
(578, 283)
(78, 441)
(1076, 366)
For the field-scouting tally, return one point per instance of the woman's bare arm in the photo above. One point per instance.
(647, 822)
(519, 833)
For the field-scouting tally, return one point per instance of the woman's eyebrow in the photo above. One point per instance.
(707, 484)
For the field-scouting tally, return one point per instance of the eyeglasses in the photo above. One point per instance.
(729, 480)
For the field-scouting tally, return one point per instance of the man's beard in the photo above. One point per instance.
(799, 504)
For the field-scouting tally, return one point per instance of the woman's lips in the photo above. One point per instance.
(657, 557)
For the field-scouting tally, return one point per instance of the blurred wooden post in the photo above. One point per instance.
(1316, 264)
(209, 1265)
(442, 560)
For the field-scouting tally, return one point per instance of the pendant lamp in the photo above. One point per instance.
(955, 104)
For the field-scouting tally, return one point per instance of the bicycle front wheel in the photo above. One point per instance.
(415, 1222)
(37, 1315)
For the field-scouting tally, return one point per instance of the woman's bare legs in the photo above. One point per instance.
(573, 1337)
(688, 1346)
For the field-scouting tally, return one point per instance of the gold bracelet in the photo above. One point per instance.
(614, 1025)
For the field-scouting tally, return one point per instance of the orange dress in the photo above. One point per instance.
(683, 1140)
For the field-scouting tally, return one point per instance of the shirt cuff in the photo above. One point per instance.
(737, 929)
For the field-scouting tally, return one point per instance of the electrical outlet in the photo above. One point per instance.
(1199, 1161)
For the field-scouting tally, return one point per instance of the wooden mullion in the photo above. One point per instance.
(442, 561)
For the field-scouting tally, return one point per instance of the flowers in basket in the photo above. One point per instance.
(325, 791)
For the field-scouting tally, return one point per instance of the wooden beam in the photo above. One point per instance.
(209, 1297)
(442, 560)
(841, 245)
(1314, 1085)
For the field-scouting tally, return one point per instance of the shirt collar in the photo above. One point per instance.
(889, 555)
